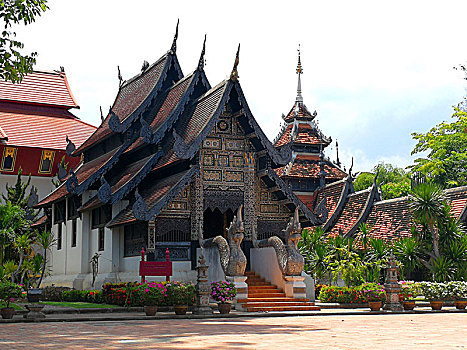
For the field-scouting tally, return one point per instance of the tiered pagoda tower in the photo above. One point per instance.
(309, 169)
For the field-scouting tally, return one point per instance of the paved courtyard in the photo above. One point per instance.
(411, 331)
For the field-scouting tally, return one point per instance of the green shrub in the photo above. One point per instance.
(52, 293)
(9, 291)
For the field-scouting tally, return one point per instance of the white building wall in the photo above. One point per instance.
(43, 184)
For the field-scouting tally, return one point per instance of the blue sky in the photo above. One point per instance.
(374, 72)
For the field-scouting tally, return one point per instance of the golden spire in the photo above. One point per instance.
(299, 85)
(234, 74)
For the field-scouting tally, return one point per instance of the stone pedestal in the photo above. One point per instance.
(35, 312)
(242, 289)
(295, 287)
(203, 289)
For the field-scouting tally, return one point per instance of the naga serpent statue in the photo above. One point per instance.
(232, 258)
(290, 260)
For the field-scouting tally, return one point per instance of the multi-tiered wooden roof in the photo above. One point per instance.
(146, 149)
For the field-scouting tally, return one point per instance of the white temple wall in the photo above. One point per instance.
(263, 261)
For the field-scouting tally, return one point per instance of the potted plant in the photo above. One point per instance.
(407, 294)
(457, 291)
(223, 292)
(8, 292)
(153, 294)
(434, 293)
(181, 295)
(375, 297)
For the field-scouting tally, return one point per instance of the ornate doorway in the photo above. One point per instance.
(216, 223)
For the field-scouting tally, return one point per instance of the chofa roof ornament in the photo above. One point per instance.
(173, 49)
(234, 74)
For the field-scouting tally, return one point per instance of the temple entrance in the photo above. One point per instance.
(216, 223)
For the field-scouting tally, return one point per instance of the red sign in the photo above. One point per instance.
(155, 268)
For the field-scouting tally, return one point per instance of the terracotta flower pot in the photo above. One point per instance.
(408, 305)
(180, 309)
(436, 304)
(224, 308)
(7, 312)
(150, 310)
(460, 304)
(375, 305)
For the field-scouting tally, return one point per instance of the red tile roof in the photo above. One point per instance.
(353, 209)
(170, 102)
(304, 134)
(307, 166)
(45, 88)
(390, 219)
(42, 130)
(203, 112)
(151, 196)
(299, 111)
(130, 96)
(333, 193)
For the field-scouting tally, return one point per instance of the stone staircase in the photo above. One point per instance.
(265, 297)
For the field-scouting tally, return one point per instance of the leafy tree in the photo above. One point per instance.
(446, 163)
(407, 251)
(12, 224)
(396, 182)
(14, 65)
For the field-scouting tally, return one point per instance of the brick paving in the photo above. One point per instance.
(397, 331)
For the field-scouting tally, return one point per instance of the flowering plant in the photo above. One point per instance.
(434, 291)
(223, 291)
(9, 291)
(457, 290)
(374, 292)
(180, 293)
(409, 290)
(153, 293)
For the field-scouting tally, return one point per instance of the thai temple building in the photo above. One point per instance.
(173, 162)
(35, 120)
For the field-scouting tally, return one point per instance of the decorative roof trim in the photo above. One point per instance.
(135, 181)
(366, 211)
(340, 205)
(159, 134)
(184, 151)
(234, 75)
(140, 210)
(173, 49)
(282, 157)
(118, 126)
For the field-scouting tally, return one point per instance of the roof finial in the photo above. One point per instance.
(201, 58)
(173, 49)
(120, 79)
(338, 162)
(299, 72)
(234, 74)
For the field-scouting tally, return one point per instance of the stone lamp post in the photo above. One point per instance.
(392, 287)
(202, 288)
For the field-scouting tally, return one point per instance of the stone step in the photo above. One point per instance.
(278, 304)
(267, 300)
(283, 308)
(266, 295)
(266, 287)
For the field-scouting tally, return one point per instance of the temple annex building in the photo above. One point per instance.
(35, 120)
(173, 161)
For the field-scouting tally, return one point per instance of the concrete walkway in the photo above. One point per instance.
(434, 330)
(68, 314)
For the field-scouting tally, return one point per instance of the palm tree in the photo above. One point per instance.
(426, 204)
(46, 241)
(407, 250)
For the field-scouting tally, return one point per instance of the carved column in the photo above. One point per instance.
(249, 199)
(197, 208)
(151, 237)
